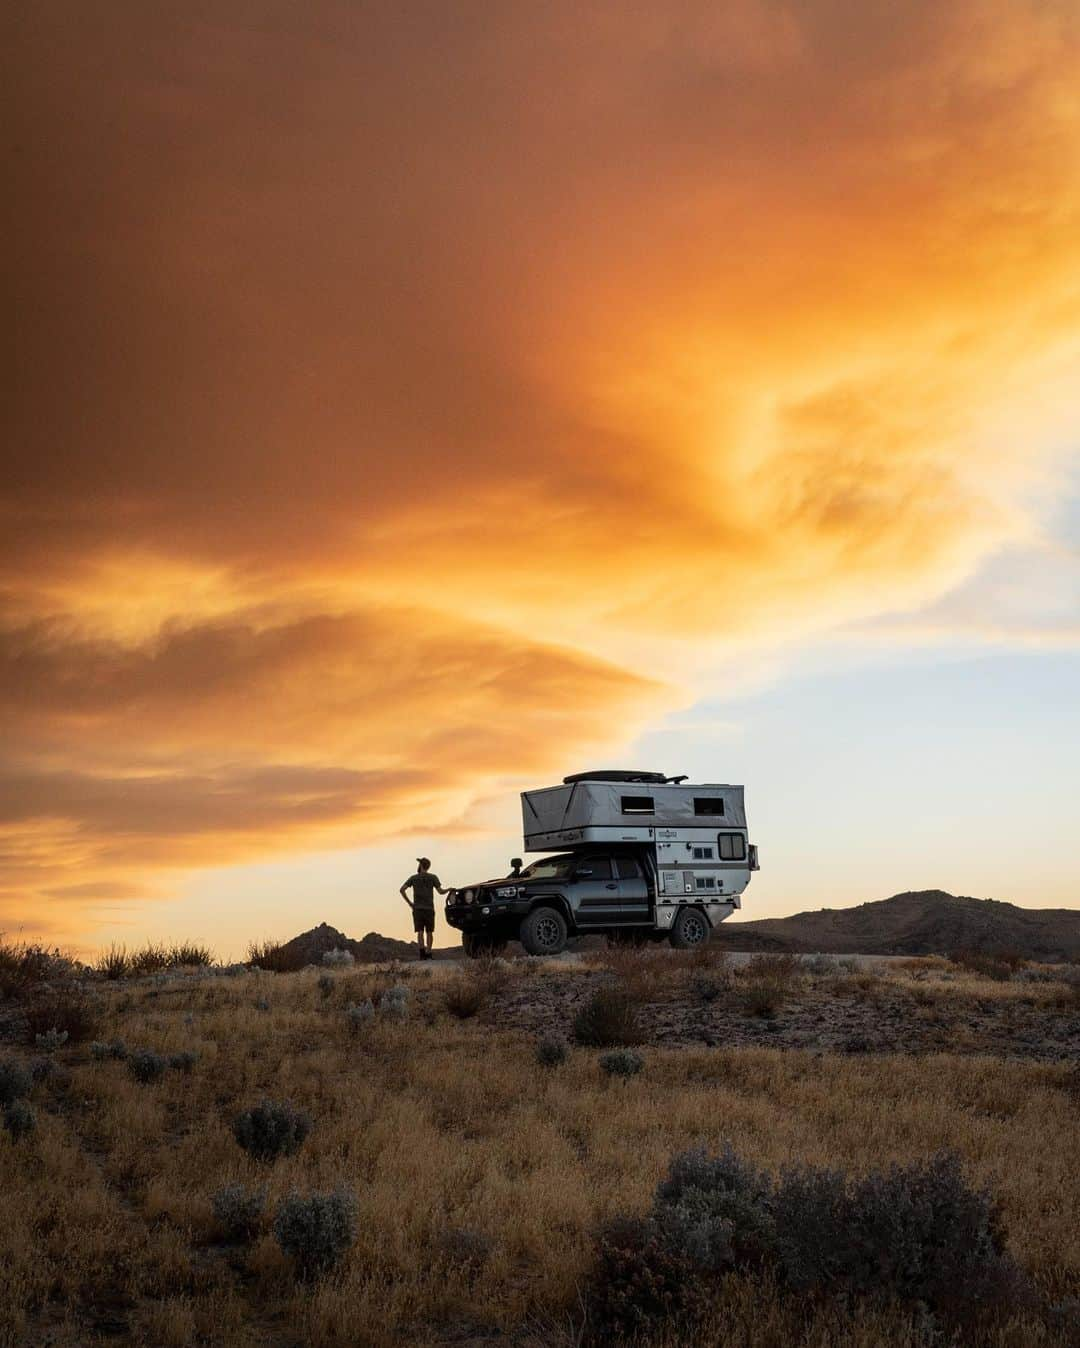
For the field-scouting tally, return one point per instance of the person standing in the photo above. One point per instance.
(423, 885)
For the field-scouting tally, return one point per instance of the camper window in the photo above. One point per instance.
(638, 805)
(732, 846)
(708, 805)
(703, 854)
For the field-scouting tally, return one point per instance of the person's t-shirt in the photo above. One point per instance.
(423, 885)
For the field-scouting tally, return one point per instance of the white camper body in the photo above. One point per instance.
(694, 835)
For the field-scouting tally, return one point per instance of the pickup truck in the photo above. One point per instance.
(638, 856)
(610, 893)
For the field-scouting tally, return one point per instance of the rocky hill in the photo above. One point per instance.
(927, 922)
(310, 946)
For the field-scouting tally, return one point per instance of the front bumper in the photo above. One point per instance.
(485, 912)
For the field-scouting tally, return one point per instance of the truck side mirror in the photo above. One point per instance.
(752, 849)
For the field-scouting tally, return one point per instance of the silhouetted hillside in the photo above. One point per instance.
(928, 922)
(310, 946)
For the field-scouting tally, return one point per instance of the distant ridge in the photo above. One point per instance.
(923, 922)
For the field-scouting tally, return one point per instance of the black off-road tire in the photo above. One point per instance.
(690, 930)
(543, 932)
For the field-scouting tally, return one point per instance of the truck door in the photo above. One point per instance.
(595, 891)
(633, 890)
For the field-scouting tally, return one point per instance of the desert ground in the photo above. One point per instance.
(484, 1142)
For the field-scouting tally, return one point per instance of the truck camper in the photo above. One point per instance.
(636, 856)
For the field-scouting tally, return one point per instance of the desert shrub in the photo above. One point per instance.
(773, 968)
(272, 956)
(116, 1048)
(51, 1040)
(608, 1019)
(325, 985)
(188, 954)
(818, 965)
(316, 1229)
(464, 996)
(761, 997)
(19, 1118)
(766, 982)
(146, 1066)
(489, 972)
(113, 963)
(261, 1004)
(708, 957)
(550, 1052)
(271, 1129)
(639, 1280)
(184, 1061)
(997, 967)
(716, 1208)
(338, 959)
(916, 1234)
(25, 968)
(621, 1062)
(15, 1081)
(359, 1015)
(68, 1010)
(394, 1003)
(151, 959)
(238, 1211)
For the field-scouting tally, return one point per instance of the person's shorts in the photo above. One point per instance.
(423, 919)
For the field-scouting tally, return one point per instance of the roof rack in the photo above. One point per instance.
(622, 775)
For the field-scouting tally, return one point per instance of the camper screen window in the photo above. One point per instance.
(732, 846)
(708, 805)
(637, 805)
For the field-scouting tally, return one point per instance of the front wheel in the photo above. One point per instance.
(543, 932)
(690, 929)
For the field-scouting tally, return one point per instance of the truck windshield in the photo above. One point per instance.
(551, 868)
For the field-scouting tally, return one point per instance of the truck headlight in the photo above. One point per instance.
(507, 892)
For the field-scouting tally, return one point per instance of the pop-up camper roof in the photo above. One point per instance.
(607, 806)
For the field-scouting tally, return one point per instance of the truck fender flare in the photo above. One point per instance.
(700, 908)
(555, 901)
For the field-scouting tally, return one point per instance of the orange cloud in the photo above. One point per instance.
(403, 396)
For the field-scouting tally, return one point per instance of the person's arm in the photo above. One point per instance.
(438, 884)
(405, 896)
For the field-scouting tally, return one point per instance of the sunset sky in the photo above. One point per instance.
(416, 402)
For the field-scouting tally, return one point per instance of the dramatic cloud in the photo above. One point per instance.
(405, 391)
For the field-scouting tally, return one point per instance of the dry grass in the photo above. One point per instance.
(273, 957)
(118, 962)
(25, 967)
(452, 1140)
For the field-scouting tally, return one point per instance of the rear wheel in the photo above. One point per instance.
(690, 929)
(543, 932)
